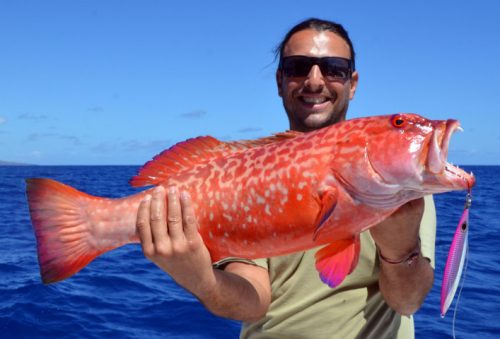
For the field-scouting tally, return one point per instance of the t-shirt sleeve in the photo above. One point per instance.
(428, 230)
(256, 262)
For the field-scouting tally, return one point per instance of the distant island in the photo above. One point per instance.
(8, 163)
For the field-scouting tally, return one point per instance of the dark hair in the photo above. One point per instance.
(318, 25)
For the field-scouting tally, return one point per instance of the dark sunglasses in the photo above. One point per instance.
(333, 68)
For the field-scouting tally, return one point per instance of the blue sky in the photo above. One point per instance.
(116, 82)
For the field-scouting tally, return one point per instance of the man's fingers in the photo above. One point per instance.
(157, 218)
(188, 216)
(174, 215)
(144, 228)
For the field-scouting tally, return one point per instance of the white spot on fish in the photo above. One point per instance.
(284, 200)
(226, 234)
(218, 226)
(224, 206)
(246, 208)
(282, 188)
(302, 184)
(260, 200)
(210, 234)
(249, 218)
(268, 210)
(211, 216)
(299, 197)
(267, 193)
(227, 217)
(307, 174)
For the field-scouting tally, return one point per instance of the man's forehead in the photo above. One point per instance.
(316, 43)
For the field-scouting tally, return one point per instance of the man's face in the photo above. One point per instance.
(311, 101)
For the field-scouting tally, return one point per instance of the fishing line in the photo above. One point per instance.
(460, 290)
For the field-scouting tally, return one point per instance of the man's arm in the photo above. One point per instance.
(169, 237)
(404, 286)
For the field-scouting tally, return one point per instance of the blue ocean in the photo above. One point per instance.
(123, 295)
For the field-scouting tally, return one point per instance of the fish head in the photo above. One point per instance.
(404, 158)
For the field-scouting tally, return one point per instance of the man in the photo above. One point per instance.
(284, 297)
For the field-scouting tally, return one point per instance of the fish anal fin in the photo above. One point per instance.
(328, 203)
(337, 260)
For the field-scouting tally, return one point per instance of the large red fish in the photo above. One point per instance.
(263, 198)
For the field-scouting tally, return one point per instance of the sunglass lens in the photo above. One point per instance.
(335, 69)
(296, 67)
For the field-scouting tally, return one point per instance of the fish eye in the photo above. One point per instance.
(398, 121)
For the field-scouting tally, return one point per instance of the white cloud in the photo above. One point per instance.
(33, 117)
(131, 145)
(250, 130)
(95, 109)
(34, 137)
(198, 114)
(36, 154)
(2, 120)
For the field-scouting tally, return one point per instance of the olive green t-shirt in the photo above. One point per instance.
(302, 306)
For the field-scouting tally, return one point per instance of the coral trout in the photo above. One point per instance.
(261, 198)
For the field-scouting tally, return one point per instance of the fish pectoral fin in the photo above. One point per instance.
(328, 203)
(337, 260)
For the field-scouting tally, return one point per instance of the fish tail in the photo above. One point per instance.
(62, 228)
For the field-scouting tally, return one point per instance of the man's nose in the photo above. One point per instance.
(314, 81)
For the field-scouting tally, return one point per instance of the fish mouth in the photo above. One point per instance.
(437, 162)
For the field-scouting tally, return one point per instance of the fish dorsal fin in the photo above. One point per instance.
(179, 157)
(278, 137)
(184, 155)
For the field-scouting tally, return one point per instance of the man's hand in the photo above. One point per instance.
(169, 238)
(397, 235)
(404, 286)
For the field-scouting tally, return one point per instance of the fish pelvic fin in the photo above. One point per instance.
(328, 203)
(186, 154)
(59, 218)
(337, 260)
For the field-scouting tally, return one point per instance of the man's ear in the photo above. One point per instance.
(279, 82)
(354, 84)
